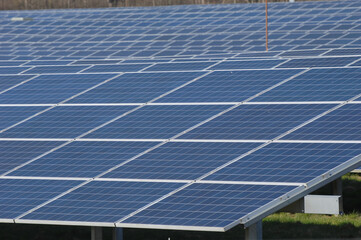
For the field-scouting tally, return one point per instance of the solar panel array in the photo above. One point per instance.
(175, 117)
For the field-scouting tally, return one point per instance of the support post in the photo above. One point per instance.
(337, 190)
(254, 232)
(117, 233)
(96, 233)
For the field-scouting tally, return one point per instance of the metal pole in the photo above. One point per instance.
(266, 26)
(96, 233)
(254, 232)
(117, 233)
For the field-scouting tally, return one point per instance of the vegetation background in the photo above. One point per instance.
(47, 4)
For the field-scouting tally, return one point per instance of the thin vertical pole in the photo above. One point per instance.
(266, 27)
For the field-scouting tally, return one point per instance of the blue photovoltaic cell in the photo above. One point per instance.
(318, 62)
(157, 122)
(265, 121)
(136, 87)
(259, 64)
(65, 122)
(14, 153)
(103, 201)
(21, 195)
(52, 88)
(116, 68)
(7, 81)
(180, 66)
(83, 159)
(12, 115)
(341, 124)
(209, 205)
(228, 86)
(181, 160)
(338, 84)
(288, 162)
(12, 70)
(55, 69)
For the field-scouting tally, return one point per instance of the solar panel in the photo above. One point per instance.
(180, 66)
(82, 159)
(13, 115)
(136, 87)
(341, 124)
(65, 122)
(8, 81)
(259, 64)
(236, 86)
(55, 69)
(336, 84)
(116, 68)
(102, 201)
(15, 153)
(181, 160)
(156, 122)
(208, 205)
(257, 121)
(20, 195)
(51, 88)
(288, 162)
(319, 62)
(175, 117)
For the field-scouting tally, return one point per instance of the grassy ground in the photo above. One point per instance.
(275, 226)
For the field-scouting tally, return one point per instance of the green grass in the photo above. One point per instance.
(275, 226)
(308, 226)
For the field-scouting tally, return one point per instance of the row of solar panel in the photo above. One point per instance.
(109, 202)
(186, 20)
(237, 86)
(277, 162)
(75, 51)
(251, 122)
(187, 66)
